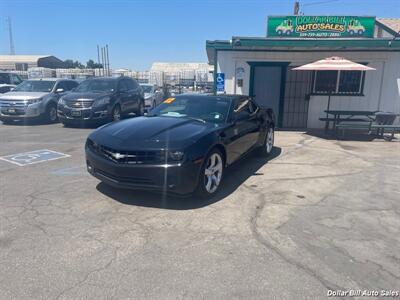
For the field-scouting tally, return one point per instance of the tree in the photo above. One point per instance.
(70, 64)
(92, 65)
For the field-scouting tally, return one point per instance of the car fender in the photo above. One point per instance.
(47, 100)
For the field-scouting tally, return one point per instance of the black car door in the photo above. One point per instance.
(245, 129)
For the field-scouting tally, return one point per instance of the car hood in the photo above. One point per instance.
(152, 133)
(86, 95)
(22, 96)
(148, 95)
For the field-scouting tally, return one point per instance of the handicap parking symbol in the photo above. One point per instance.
(220, 82)
(33, 157)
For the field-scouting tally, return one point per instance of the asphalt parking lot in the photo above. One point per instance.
(319, 215)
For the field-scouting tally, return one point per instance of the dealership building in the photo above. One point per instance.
(262, 67)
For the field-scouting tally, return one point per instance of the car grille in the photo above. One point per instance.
(126, 179)
(79, 103)
(13, 103)
(127, 157)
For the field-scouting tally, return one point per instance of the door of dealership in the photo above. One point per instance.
(276, 86)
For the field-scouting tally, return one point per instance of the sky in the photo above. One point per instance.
(140, 32)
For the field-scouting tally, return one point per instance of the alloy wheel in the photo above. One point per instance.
(269, 143)
(52, 114)
(213, 173)
(116, 114)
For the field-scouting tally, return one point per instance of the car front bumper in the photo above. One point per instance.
(78, 115)
(10, 111)
(179, 178)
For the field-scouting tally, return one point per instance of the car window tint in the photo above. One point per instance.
(123, 87)
(131, 84)
(134, 83)
(71, 85)
(62, 85)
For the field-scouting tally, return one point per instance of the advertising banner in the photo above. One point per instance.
(321, 26)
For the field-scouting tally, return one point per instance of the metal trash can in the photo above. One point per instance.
(385, 118)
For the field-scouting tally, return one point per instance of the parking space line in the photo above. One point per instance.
(33, 157)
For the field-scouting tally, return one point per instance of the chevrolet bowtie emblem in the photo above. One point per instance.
(118, 155)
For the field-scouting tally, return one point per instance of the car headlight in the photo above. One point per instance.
(176, 155)
(101, 101)
(32, 101)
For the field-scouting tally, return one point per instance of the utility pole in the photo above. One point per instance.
(108, 62)
(296, 8)
(98, 54)
(12, 48)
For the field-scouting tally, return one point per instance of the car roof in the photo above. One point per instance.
(109, 78)
(45, 79)
(224, 96)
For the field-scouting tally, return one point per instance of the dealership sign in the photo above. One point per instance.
(321, 26)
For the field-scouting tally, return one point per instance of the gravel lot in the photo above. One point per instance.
(319, 215)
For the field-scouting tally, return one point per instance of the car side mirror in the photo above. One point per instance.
(59, 90)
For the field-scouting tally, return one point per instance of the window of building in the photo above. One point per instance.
(338, 82)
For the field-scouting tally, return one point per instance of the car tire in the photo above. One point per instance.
(351, 32)
(268, 143)
(116, 113)
(140, 111)
(51, 113)
(211, 174)
(360, 32)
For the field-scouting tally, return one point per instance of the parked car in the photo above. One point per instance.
(101, 100)
(182, 146)
(34, 99)
(152, 96)
(8, 81)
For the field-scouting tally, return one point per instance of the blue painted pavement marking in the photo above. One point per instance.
(33, 157)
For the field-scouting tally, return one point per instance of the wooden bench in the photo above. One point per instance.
(381, 129)
(369, 126)
(337, 120)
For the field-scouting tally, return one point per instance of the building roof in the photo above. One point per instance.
(300, 44)
(176, 67)
(391, 25)
(22, 58)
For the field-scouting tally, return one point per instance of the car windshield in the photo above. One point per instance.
(100, 85)
(202, 108)
(35, 86)
(147, 88)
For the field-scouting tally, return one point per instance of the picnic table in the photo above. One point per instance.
(337, 116)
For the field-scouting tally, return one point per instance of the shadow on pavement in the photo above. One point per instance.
(235, 175)
(358, 136)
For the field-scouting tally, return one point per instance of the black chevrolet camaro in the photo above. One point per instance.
(182, 146)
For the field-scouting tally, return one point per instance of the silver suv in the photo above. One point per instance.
(34, 99)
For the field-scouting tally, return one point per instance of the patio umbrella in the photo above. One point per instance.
(333, 64)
